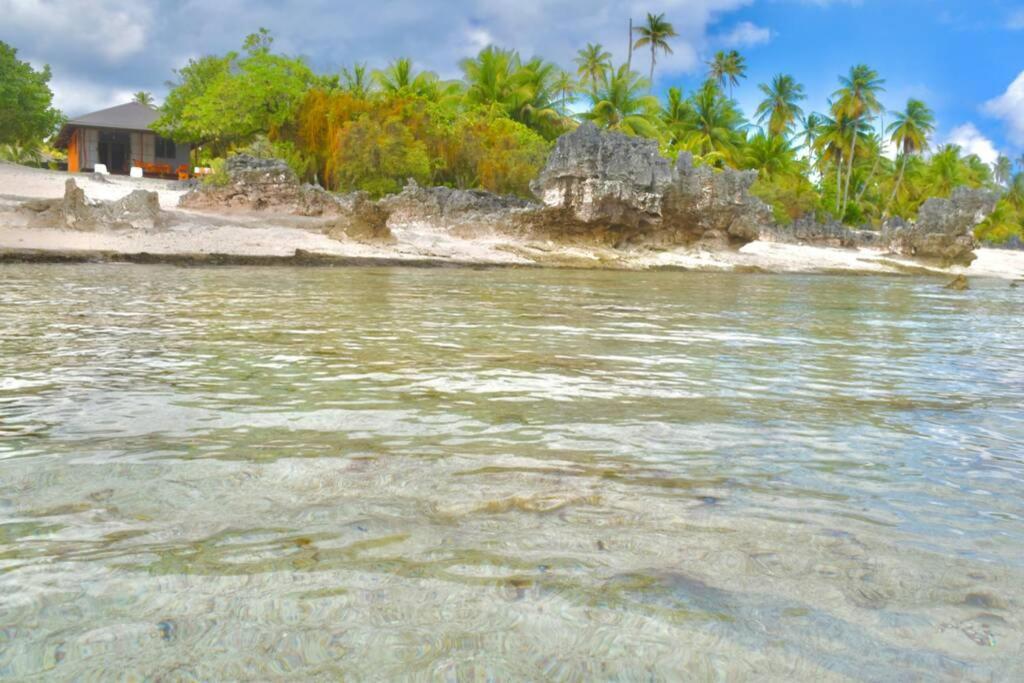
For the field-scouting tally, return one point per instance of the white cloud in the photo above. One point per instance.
(972, 141)
(1010, 108)
(108, 30)
(746, 34)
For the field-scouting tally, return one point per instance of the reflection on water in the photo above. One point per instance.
(459, 474)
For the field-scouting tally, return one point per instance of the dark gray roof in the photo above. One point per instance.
(131, 116)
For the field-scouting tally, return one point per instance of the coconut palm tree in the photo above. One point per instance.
(780, 108)
(489, 76)
(655, 34)
(836, 134)
(677, 115)
(357, 81)
(1020, 163)
(143, 97)
(593, 63)
(619, 103)
(727, 68)
(566, 86)
(1002, 170)
(715, 125)
(857, 99)
(399, 77)
(946, 170)
(770, 155)
(809, 132)
(909, 131)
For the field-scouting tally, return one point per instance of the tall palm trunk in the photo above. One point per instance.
(650, 78)
(849, 171)
(629, 59)
(839, 181)
(896, 187)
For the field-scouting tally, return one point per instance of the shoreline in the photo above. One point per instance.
(198, 238)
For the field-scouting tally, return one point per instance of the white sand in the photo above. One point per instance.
(192, 232)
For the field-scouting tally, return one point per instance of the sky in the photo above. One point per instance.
(965, 58)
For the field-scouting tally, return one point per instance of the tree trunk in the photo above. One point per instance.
(896, 188)
(839, 181)
(650, 78)
(849, 172)
(629, 59)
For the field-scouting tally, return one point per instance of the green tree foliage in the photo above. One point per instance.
(27, 115)
(143, 97)
(593, 64)
(621, 103)
(780, 108)
(727, 68)
(231, 99)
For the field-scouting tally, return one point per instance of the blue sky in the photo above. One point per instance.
(965, 58)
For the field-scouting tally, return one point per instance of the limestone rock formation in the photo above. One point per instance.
(463, 212)
(831, 233)
(361, 219)
(261, 184)
(613, 188)
(139, 210)
(944, 230)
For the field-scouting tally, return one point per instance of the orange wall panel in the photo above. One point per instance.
(73, 165)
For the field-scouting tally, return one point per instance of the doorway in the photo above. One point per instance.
(114, 150)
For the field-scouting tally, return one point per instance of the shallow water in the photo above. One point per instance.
(373, 473)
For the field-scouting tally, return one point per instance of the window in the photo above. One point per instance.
(165, 149)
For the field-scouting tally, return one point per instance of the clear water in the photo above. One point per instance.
(487, 475)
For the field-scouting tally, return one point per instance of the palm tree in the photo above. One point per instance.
(780, 108)
(532, 97)
(770, 155)
(858, 100)
(835, 135)
(401, 78)
(909, 132)
(143, 97)
(655, 34)
(357, 81)
(946, 170)
(619, 103)
(566, 86)
(1002, 170)
(714, 127)
(593, 62)
(811, 129)
(677, 115)
(727, 68)
(1020, 163)
(488, 76)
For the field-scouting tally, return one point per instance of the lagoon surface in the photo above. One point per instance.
(276, 473)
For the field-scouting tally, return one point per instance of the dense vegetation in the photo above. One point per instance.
(492, 128)
(27, 115)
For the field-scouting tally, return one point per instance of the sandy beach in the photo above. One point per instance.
(191, 232)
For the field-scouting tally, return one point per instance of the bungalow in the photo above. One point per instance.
(119, 137)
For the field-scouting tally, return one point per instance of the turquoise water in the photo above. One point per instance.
(271, 474)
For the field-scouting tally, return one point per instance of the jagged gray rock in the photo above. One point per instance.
(465, 212)
(139, 210)
(831, 233)
(256, 184)
(613, 188)
(944, 230)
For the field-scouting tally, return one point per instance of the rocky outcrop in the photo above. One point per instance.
(832, 233)
(261, 185)
(944, 230)
(461, 212)
(361, 219)
(255, 184)
(616, 189)
(138, 210)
